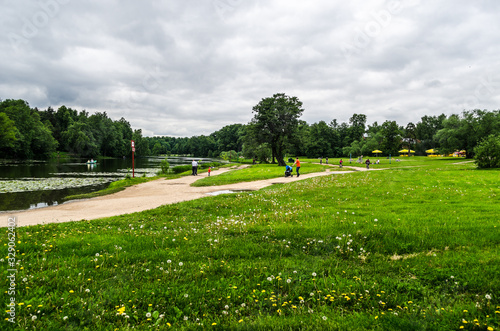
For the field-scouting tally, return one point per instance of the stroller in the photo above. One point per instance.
(288, 171)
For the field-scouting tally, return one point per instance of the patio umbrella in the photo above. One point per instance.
(431, 151)
(405, 151)
(376, 152)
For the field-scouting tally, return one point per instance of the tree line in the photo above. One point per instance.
(274, 132)
(29, 133)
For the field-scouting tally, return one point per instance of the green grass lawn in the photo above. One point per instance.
(409, 248)
(256, 172)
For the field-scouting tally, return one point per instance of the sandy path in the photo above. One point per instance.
(140, 197)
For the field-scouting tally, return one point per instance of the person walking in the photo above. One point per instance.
(194, 166)
(367, 163)
(297, 166)
(341, 163)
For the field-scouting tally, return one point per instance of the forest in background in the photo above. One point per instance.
(30, 133)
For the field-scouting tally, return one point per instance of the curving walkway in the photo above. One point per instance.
(142, 197)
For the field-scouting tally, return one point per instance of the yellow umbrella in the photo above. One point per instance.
(431, 151)
(376, 151)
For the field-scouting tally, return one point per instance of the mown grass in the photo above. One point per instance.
(404, 249)
(256, 172)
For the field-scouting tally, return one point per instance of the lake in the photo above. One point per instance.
(36, 184)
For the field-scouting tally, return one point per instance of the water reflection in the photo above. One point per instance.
(69, 171)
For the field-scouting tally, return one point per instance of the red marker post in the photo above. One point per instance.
(133, 150)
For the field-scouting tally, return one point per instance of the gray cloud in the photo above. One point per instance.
(189, 68)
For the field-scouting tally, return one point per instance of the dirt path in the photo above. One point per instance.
(141, 197)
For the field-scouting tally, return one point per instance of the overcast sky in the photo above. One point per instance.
(184, 68)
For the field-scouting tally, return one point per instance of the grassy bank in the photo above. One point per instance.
(404, 249)
(113, 187)
(254, 172)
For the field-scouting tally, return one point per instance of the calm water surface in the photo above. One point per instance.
(36, 184)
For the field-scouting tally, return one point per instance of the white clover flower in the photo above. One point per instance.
(33, 317)
(186, 318)
(288, 280)
(181, 264)
(314, 274)
(97, 254)
(226, 307)
(269, 279)
(324, 317)
(65, 318)
(186, 295)
(148, 314)
(87, 290)
(488, 296)
(169, 261)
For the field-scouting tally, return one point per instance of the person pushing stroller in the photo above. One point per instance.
(288, 171)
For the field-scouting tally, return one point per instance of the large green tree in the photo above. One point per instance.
(8, 132)
(275, 121)
(320, 142)
(464, 132)
(391, 137)
(32, 138)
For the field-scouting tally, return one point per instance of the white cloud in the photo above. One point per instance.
(189, 68)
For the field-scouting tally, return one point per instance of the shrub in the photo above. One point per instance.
(488, 152)
(181, 168)
(164, 166)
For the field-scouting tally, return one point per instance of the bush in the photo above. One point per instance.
(164, 166)
(181, 168)
(488, 152)
(209, 164)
